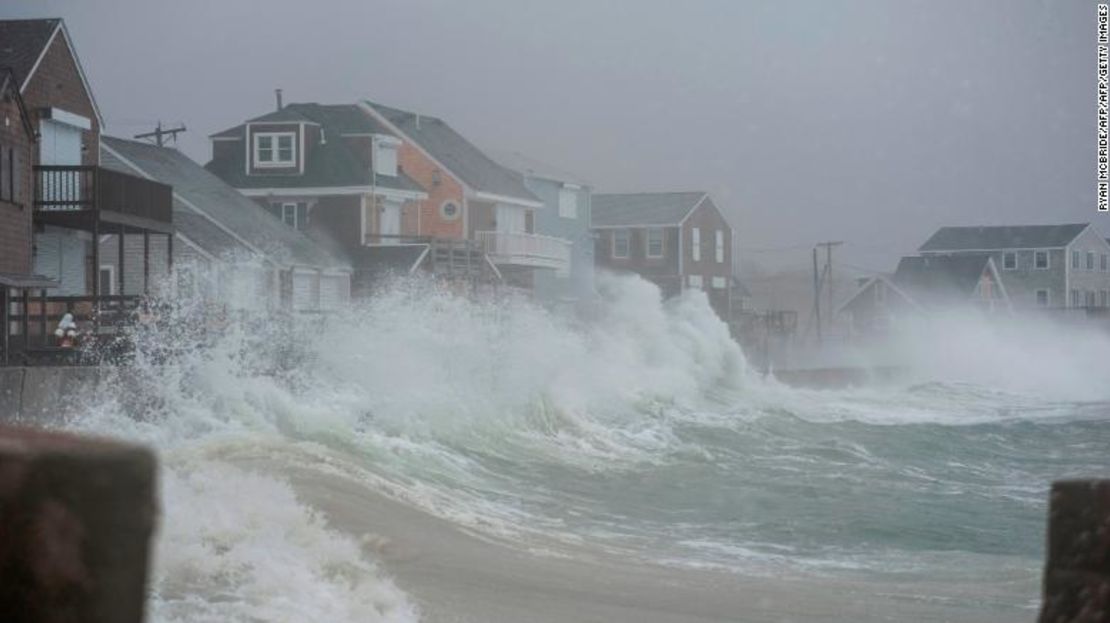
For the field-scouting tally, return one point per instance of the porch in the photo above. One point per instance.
(525, 249)
(134, 214)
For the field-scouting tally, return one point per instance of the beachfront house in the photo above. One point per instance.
(80, 212)
(1041, 266)
(227, 249)
(677, 240)
(489, 205)
(925, 285)
(565, 218)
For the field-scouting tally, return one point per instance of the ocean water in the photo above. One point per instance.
(633, 430)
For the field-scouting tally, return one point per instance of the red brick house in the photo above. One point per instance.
(676, 240)
(77, 210)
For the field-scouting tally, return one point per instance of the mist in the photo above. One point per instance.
(868, 121)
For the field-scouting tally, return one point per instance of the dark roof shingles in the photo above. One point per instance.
(459, 155)
(1002, 237)
(223, 204)
(22, 42)
(639, 209)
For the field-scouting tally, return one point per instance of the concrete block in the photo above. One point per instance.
(76, 516)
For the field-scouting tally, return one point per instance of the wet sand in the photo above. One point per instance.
(457, 577)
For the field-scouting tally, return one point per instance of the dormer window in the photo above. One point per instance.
(275, 149)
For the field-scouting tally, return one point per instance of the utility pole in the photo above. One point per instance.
(159, 133)
(816, 297)
(819, 282)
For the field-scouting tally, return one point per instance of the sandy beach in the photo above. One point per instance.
(456, 577)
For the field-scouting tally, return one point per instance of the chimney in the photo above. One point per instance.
(277, 92)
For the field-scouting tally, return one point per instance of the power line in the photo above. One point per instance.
(158, 134)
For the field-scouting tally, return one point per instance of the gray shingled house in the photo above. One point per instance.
(1040, 265)
(227, 248)
(923, 285)
(677, 240)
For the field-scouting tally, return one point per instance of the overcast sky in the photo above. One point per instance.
(872, 122)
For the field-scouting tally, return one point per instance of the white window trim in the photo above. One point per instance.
(275, 163)
(1047, 297)
(662, 243)
(1092, 261)
(718, 283)
(443, 210)
(1047, 260)
(695, 244)
(1013, 254)
(719, 245)
(696, 281)
(1076, 260)
(627, 247)
(288, 204)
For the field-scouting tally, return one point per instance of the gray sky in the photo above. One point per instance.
(872, 122)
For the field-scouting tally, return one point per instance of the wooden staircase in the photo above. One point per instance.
(460, 260)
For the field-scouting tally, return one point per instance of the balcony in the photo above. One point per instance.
(84, 197)
(524, 249)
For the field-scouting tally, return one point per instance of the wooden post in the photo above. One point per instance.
(1077, 571)
(26, 320)
(120, 253)
(146, 262)
(5, 314)
(76, 515)
(42, 318)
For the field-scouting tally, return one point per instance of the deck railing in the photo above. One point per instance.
(60, 188)
(524, 249)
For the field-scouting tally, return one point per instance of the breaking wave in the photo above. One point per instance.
(633, 427)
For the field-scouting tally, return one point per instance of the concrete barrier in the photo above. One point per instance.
(1077, 571)
(11, 393)
(76, 516)
(52, 394)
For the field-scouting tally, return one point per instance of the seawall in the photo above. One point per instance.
(49, 395)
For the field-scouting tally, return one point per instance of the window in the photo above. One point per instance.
(292, 214)
(696, 282)
(449, 210)
(620, 243)
(1040, 260)
(719, 283)
(274, 149)
(9, 187)
(1103, 265)
(1090, 260)
(568, 201)
(720, 246)
(1090, 298)
(1074, 298)
(695, 244)
(1042, 298)
(1075, 260)
(1105, 298)
(107, 280)
(653, 241)
(1009, 260)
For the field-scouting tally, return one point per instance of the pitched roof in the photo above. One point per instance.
(941, 279)
(1002, 237)
(643, 209)
(22, 42)
(332, 163)
(460, 156)
(531, 167)
(213, 214)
